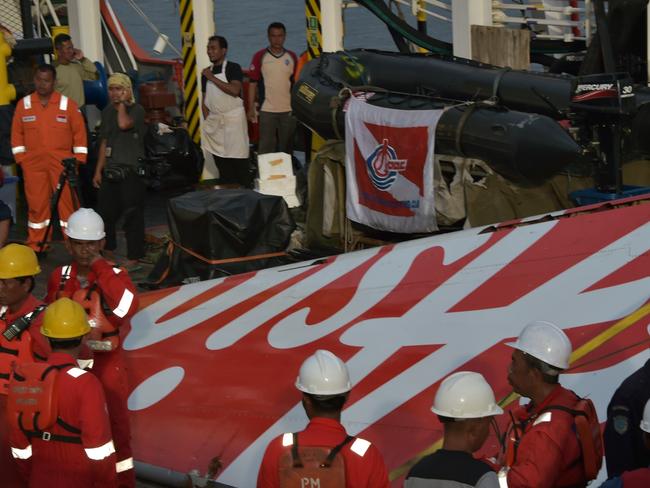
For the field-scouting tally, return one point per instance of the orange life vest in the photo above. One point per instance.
(312, 466)
(587, 429)
(32, 402)
(103, 335)
(15, 349)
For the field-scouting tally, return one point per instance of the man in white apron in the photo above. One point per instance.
(225, 131)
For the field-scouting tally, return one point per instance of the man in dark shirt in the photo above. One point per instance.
(624, 446)
(225, 130)
(465, 405)
(121, 190)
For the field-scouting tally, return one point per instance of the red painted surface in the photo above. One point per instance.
(388, 312)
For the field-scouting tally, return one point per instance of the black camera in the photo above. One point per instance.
(153, 167)
(115, 174)
(70, 169)
(69, 164)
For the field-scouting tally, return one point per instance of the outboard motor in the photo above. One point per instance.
(605, 102)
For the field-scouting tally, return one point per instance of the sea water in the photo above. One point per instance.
(243, 23)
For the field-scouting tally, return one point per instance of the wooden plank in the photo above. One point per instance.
(501, 47)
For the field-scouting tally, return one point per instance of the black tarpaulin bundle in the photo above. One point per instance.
(217, 233)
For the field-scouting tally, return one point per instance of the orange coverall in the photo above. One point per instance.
(42, 136)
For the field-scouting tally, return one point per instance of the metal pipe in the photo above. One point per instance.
(647, 41)
(332, 26)
(55, 17)
(121, 35)
(26, 19)
(422, 18)
(110, 39)
(47, 29)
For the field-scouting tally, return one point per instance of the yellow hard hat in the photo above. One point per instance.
(17, 260)
(65, 319)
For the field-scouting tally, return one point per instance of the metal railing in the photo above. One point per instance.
(534, 15)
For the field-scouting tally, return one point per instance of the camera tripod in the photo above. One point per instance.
(68, 174)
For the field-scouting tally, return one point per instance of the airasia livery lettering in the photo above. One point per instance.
(213, 364)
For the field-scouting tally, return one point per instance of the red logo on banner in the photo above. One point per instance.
(407, 145)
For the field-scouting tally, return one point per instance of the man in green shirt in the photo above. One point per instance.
(71, 69)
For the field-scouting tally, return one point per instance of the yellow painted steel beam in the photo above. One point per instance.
(191, 107)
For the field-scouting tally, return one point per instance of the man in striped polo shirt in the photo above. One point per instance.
(271, 75)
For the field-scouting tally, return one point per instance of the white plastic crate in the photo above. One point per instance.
(274, 164)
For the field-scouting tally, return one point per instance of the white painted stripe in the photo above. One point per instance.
(75, 372)
(18, 149)
(360, 446)
(545, 417)
(287, 439)
(22, 453)
(38, 225)
(63, 104)
(117, 270)
(27, 102)
(124, 305)
(124, 465)
(63, 224)
(101, 452)
(80, 150)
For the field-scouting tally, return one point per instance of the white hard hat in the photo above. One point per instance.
(323, 374)
(645, 422)
(465, 395)
(546, 342)
(86, 225)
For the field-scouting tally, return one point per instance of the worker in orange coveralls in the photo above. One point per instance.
(76, 449)
(21, 340)
(47, 128)
(323, 453)
(109, 297)
(543, 449)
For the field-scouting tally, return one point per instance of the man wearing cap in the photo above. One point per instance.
(21, 343)
(121, 190)
(110, 299)
(640, 477)
(465, 406)
(542, 449)
(323, 453)
(624, 440)
(77, 450)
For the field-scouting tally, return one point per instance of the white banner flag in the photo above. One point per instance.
(389, 167)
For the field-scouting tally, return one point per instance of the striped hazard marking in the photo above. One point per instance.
(190, 85)
(314, 31)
